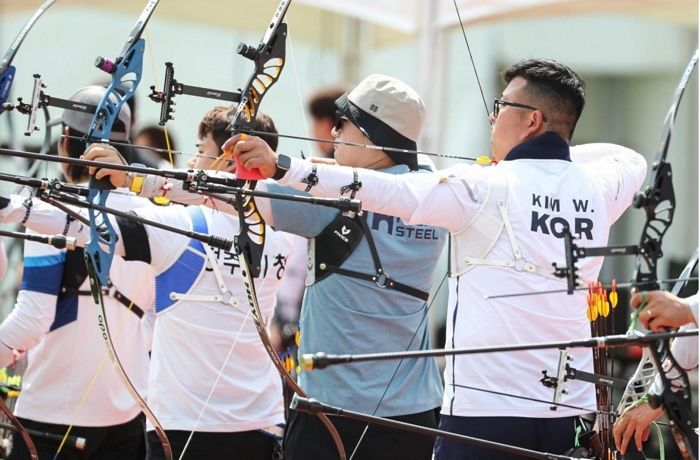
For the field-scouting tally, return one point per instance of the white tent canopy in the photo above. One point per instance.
(405, 15)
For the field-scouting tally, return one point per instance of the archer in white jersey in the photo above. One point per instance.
(210, 375)
(506, 224)
(69, 380)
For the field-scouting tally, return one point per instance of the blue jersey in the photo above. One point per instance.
(342, 314)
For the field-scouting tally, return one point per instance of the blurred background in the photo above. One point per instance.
(631, 53)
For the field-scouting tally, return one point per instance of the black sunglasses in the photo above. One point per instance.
(497, 103)
(339, 119)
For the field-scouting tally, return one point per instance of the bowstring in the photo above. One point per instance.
(471, 58)
(298, 87)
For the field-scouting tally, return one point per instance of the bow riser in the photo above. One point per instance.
(99, 252)
(102, 233)
(6, 78)
(141, 22)
(126, 77)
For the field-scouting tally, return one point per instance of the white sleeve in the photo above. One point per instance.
(447, 198)
(3, 260)
(173, 189)
(41, 217)
(621, 172)
(165, 246)
(35, 308)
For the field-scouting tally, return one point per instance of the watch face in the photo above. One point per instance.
(283, 161)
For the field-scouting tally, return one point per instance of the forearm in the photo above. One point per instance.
(174, 190)
(41, 217)
(402, 195)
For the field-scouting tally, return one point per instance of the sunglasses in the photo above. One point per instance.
(339, 120)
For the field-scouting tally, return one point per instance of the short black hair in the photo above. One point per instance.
(157, 137)
(559, 91)
(217, 120)
(322, 102)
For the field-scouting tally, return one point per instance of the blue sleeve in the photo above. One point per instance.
(303, 219)
(43, 273)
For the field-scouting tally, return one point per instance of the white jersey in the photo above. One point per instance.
(589, 194)
(193, 339)
(197, 342)
(59, 328)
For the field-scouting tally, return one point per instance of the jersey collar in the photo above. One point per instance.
(546, 146)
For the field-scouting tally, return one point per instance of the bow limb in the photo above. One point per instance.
(7, 70)
(659, 202)
(20, 429)
(260, 325)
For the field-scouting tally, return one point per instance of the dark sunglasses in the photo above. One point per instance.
(497, 103)
(339, 119)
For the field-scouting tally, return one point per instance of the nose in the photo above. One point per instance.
(492, 118)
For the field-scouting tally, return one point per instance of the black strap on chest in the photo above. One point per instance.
(338, 241)
(74, 275)
(112, 292)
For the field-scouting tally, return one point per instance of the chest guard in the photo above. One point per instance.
(471, 246)
(187, 269)
(336, 243)
(332, 247)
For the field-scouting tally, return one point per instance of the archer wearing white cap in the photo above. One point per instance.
(345, 310)
(368, 282)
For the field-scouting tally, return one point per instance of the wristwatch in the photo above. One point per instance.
(283, 164)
